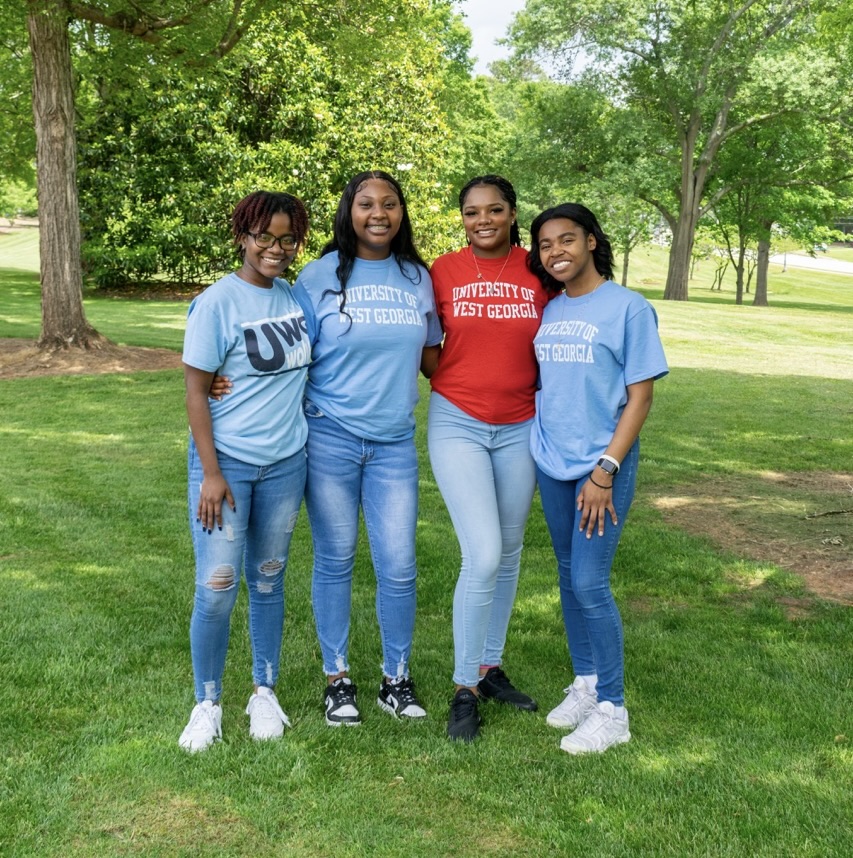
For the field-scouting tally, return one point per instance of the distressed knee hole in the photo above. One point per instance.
(271, 567)
(222, 578)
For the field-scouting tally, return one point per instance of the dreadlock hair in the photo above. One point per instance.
(602, 253)
(507, 192)
(344, 239)
(254, 213)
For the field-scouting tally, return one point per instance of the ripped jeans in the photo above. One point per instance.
(256, 538)
(346, 472)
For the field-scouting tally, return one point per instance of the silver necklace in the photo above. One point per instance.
(480, 273)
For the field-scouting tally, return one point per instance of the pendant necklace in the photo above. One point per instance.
(480, 273)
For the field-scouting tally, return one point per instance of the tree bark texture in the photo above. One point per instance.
(64, 322)
(760, 298)
(679, 257)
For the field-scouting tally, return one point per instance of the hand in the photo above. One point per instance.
(213, 490)
(219, 387)
(595, 502)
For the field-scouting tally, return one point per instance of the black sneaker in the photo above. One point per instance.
(496, 685)
(464, 723)
(399, 698)
(340, 703)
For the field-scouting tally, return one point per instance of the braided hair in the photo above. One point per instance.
(254, 213)
(345, 241)
(602, 253)
(507, 192)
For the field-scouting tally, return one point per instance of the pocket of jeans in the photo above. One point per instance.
(311, 410)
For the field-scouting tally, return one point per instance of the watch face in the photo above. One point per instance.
(607, 466)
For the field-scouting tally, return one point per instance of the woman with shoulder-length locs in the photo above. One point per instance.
(372, 317)
(480, 414)
(599, 354)
(246, 469)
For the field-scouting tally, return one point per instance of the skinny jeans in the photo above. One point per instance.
(345, 473)
(593, 624)
(487, 477)
(254, 539)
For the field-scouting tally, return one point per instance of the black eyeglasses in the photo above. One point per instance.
(265, 240)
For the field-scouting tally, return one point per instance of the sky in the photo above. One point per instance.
(488, 20)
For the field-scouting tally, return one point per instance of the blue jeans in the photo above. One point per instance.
(346, 472)
(487, 477)
(593, 624)
(254, 537)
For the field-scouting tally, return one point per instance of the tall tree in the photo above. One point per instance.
(687, 69)
(219, 24)
(165, 150)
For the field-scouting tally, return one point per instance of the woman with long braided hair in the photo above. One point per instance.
(480, 413)
(246, 456)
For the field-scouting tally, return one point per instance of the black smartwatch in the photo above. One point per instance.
(608, 465)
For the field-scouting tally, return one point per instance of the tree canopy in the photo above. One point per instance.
(693, 77)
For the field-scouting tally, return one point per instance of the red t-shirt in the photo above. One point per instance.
(487, 365)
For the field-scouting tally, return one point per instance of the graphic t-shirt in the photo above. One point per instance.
(259, 339)
(366, 358)
(589, 349)
(487, 366)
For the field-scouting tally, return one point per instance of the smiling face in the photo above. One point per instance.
(376, 217)
(487, 218)
(261, 265)
(566, 254)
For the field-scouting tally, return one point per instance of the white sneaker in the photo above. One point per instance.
(266, 717)
(598, 731)
(204, 727)
(578, 703)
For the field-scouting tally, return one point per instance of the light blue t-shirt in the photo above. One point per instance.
(589, 349)
(259, 339)
(366, 359)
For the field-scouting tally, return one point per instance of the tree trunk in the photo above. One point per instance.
(64, 322)
(679, 256)
(741, 255)
(763, 263)
(625, 257)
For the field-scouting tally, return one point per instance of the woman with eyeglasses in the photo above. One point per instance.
(372, 317)
(246, 456)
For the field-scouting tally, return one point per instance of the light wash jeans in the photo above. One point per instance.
(255, 537)
(487, 477)
(346, 472)
(593, 624)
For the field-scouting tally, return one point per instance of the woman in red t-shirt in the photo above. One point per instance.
(480, 413)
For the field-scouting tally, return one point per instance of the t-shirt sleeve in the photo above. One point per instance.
(204, 341)
(434, 332)
(307, 305)
(644, 355)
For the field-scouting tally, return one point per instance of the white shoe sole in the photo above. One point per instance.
(577, 751)
(392, 711)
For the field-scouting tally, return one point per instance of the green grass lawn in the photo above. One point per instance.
(740, 708)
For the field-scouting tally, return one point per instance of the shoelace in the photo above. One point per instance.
(203, 714)
(271, 703)
(593, 723)
(404, 691)
(342, 694)
(464, 707)
(499, 678)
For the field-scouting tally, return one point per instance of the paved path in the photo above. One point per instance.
(820, 262)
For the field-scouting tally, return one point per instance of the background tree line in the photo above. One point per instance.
(732, 116)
